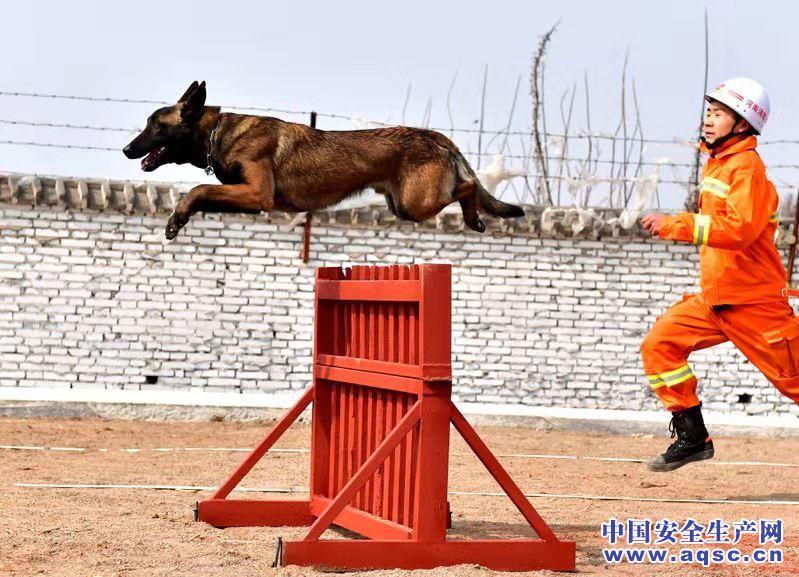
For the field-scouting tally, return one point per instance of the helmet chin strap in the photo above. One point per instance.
(719, 141)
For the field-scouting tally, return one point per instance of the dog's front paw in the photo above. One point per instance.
(176, 222)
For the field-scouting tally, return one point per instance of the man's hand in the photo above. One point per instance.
(652, 222)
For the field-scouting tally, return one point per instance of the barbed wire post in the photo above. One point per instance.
(539, 122)
(795, 232)
(692, 202)
(306, 238)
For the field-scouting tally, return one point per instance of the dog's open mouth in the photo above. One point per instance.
(151, 161)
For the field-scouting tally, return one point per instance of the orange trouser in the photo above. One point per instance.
(767, 334)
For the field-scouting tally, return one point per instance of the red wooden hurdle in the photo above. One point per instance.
(380, 436)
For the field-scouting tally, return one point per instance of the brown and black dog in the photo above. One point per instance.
(265, 163)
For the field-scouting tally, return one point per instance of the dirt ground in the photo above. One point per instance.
(116, 532)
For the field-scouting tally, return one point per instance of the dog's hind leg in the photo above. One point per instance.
(384, 190)
(427, 190)
(418, 195)
(391, 206)
(466, 193)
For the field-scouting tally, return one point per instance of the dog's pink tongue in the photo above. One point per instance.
(152, 157)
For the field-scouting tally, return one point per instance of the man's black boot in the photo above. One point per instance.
(693, 442)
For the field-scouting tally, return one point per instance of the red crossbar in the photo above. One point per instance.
(375, 290)
(497, 555)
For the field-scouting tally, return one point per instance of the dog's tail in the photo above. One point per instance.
(496, 207)
(490, 204)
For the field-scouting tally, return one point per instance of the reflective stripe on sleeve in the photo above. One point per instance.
(701, 228)
(715, 187)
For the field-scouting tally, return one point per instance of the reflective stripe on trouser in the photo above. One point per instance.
(767, 334)
(670, 378)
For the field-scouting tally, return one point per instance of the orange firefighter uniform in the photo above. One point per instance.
(743, 295)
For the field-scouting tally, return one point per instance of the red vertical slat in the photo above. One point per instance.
(373, 319)
(320, 439)
(380, 434)
(399, 469)
(333, 307)
(336, 457)
(356, 310)
(343, 435)
(351, 426)
(344, 331)
(402, 322)
(412, 496)
(369, 445)
(407, 483)
(354, 320)
(392, 322)
(413, 325)
(362, 353)
(334, 420)
(382, 326)
(388, 495)
(362, 454)
(356, 435)
(345, 306)
(337, 328)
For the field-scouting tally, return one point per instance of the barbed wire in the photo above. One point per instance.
(605, 161)
(136, 101)
(95, 179)
(593, 180)
(596, 179)
(76, 97)
(71, 126)
(579, 135)
(467, 152)
(581, 160)
(58, 145)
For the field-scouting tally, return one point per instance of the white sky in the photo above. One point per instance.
(357, 58)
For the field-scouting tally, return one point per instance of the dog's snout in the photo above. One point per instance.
(126, 151)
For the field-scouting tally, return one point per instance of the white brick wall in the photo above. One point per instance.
(93, 299)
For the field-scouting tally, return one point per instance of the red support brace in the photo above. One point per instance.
(261, 450)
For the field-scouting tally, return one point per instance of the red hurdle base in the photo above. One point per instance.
(380, 437)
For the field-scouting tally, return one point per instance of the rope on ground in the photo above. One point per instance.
(305, 451)
(304, 490)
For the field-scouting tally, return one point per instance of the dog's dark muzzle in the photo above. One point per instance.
(139, 146)
(129, 152)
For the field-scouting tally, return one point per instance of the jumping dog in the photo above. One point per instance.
(267, 164)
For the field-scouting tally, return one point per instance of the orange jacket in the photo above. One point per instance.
(738, 261)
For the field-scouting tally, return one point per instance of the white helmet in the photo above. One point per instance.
(746, 97)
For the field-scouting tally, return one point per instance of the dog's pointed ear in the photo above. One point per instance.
(193, 106)
(192, 87)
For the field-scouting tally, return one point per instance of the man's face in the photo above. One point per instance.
(720, 120)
